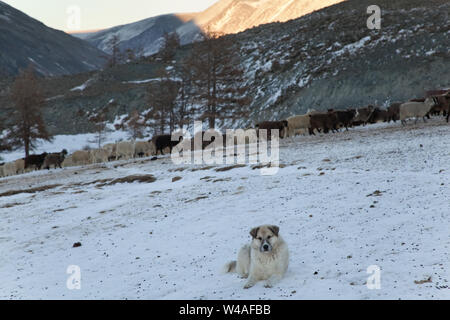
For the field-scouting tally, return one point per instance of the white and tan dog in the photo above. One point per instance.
(265, 258)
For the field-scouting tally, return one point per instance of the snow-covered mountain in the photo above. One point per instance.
(24, 41)
(226, 16)
(143, 36)
(233, 16)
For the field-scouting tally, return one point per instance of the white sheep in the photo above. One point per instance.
(125, 150)
(68, 162)
(297, 125)
(144, 149)
(80, 157)
(9, 169)
(111, 149)
(20, 166)
(98, 156)
(415, 110)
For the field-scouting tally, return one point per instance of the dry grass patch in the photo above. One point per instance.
(31, 190)
(146, 178)
(230, 167)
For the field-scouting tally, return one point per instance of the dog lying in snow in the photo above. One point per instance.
(265, 258)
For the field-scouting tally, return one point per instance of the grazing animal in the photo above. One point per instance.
(417, 100)
(265, 258)
(80, 157)
(111, 150)
(323, 122)
(362, 116)
(378, 115)
(54, 159)
(442, 104)
(9, 169)
(144, 149)
(297, 124)
(415, 110)
(393, 112)
(20, 166)
(98, 156)
(281, 126)
(345, 117)
(124, 150)
(35, 161)
(68, 162)
(164, 141)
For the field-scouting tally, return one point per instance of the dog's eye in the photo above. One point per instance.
(268, 237)
(259, 238)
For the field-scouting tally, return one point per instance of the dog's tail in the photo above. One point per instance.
(230, 267)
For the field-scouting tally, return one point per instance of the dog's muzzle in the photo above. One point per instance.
(265, 246)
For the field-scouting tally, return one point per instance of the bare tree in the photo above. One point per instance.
(184, 106)
(220, 86)
(136, 125)
(162, 95)
(116, 55)
(99, 121)
(27, 124)
(169, 47)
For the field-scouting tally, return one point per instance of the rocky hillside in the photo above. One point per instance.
(327, 59)
(24, 41)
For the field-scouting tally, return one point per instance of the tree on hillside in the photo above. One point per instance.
(116, 55)
(4, 145)
(162, 95)
(26, 122)
(169, 47)
(136, 125)
(184, 102)
(98, 119)
(218, 79)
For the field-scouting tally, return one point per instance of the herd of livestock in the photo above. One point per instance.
(437, 103)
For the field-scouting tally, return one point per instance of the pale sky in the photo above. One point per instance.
(100, 14)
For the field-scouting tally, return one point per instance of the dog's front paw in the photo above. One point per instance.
(268, 285)
(248, 285)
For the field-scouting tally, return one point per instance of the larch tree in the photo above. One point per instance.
(219, 80)
(162, 96)
(26, 121)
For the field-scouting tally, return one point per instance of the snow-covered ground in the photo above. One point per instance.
(377, 195)
(71, 143)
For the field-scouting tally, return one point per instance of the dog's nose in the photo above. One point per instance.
(265, 247)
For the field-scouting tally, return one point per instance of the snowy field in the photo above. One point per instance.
(378, 195)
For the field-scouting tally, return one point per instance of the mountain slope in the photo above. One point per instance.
(233, 16)
(24, 41)
(227, 16)
(144, 36)
(327, 59)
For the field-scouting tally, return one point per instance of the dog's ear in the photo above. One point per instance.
(254, 232)
(275, 230)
